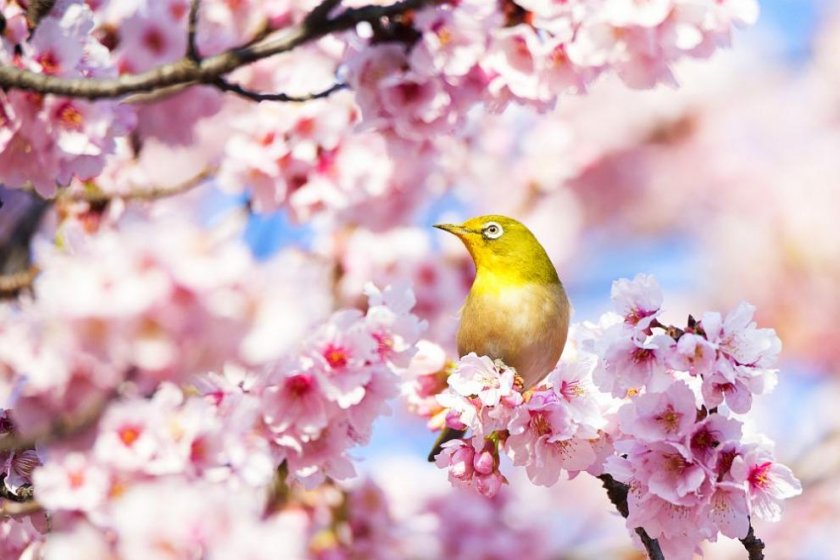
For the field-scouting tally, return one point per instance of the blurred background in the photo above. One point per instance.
(726, 189)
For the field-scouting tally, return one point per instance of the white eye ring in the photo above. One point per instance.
(492, 230)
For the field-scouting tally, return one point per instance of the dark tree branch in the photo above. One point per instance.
(12, 284)
(753, 545)
(192, 29)
(251, 95)
(188, 72)
(16, 269)
(617, 493)
(61, 427)
(24, 493)
(38, 10)
(321, 12)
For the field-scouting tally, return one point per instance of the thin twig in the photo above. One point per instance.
(142, 195)
(12, 284)
(617, 493)
(187, 72)
(753, 545)
(192, 29)
(61, 427)
(251, 95)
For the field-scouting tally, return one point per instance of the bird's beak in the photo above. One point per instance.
(453, 229)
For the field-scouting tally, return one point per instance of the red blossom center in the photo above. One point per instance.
(70, 116)
(76, 479)
(129, 434)
(198, 450)
(704, 439)
(178, 9)
(760, 475)
(336, 356)
(49, 62)
(642, 355)
(299, 385)
(154, 40)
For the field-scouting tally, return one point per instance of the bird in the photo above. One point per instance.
(517, 310)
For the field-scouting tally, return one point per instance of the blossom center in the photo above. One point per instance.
(128, 435)
(670, 419)
(540, 424)
(299, 385)
(760, 475)
(336, 356)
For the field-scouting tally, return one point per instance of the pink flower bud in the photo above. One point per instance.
(484, 462)
(488, 485)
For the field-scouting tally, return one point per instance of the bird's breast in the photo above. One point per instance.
(525, 326)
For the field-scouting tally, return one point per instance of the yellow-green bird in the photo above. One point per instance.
(517, 310)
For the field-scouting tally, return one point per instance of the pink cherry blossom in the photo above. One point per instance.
(74, 483)
(478, 376)
(664, 416)
(768, 482)
(639, 300)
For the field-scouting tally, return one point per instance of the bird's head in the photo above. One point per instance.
(504, 246)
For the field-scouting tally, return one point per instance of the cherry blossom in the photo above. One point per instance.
(691, 472)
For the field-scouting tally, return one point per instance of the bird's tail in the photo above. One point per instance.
(447, 434)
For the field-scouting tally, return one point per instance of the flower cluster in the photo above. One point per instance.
(672, 431)
(323, 400)
(548, 430)
(680, 444)
(224, 433)
(46, 141)
(149, 301)
(454, 56)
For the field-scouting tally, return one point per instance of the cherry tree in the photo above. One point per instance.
(166, 392)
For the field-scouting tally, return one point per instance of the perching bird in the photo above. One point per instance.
(517, 310)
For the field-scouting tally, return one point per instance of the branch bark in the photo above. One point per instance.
(192, 29)
(617, 493)
(187, 71)
(12, 284)
(141, 195)
(753, 545)
(224, 85)
(19, 509)
(61, 427)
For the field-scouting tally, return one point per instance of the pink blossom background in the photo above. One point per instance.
(726, 189)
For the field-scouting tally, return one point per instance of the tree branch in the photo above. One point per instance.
(192, 29)
(60, 427)
(251, 95)
(38, 10)
(24, 493)
(188, 72)
(12, 284)
(617, 493)
(141, 195)
(15, 509)
(753, 545)
(321, 12)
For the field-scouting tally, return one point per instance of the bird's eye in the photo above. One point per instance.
(492, 231)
